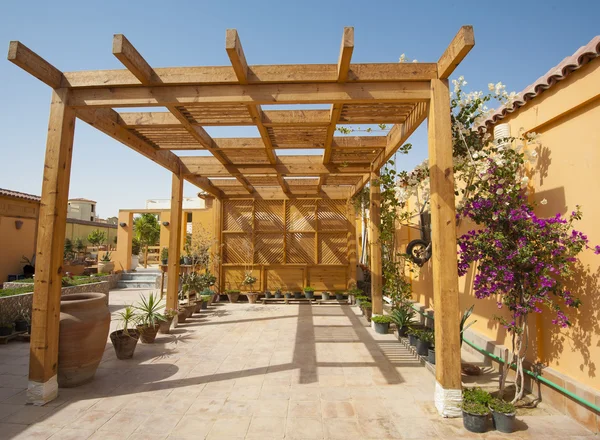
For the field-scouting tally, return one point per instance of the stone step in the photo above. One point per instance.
(138, 277)
(136, 284)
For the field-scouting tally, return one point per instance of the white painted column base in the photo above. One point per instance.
(41, 393)
(448, 402)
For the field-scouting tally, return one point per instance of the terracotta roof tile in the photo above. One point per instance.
(559, 72)
(19, 195)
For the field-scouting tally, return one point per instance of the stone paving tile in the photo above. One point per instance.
(245, 371)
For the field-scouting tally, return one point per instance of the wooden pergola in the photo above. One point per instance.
(402, 94)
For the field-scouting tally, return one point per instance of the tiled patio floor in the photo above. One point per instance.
(254, 372)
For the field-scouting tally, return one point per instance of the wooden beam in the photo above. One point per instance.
(276, 193)
(400, 133)
(203, 183)
(133, 60)
(328, 93)
(343, 66)
(286, 165)
(375, 244)
(265, 74)
(458, 49)
(35, 65)
(335, 112)
(444, 258)
(234, 49)
(45, 319)
(175, 225)
(106, 120)
(356, 188)
(295, 118)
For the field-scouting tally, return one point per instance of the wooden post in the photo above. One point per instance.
(351, 215)
(444, 258)
(218, 228)
(45, 319)
(124, 236)
(174, 241)
(375, 245)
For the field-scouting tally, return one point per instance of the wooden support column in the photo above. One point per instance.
(174, 241)
(374, 222)
(444, 258)
(351, 215)
(45, 318)
(217, 207)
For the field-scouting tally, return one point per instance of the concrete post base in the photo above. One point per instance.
(41, 393)
(448, 402)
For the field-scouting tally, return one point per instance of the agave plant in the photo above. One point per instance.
(463, 321)
(148, 309)
(403, 315)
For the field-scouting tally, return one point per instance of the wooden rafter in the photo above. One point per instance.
(458, 49)
(139, 67)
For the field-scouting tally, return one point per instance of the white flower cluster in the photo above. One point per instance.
(403, 59)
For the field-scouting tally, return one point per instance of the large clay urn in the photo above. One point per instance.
(84, 326)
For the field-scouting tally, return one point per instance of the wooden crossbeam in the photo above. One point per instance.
(458, 49)
(236, 55)
(35, 65)
(401, 132)
(356, 188)
(136, 64)
(286, 165)
(202, 183)
(155, 96)
(265, 74)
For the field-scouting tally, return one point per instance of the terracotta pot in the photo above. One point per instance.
(191, 308)
(147, 333)
(233, 297)
(124, 343)
(164, 327)
(181, 315)
(252, 297)
(198, 305)
(84, 326)
(204, 305)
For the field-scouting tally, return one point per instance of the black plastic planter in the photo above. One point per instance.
(504, 422)
(5, 331)
(412, 340)
(382, 327)
(309, 295)
(431, 356)
(422, 347)
(401, 332)
(288, 295)
(475, 422)
(21, 326)
(339, 296)
(278, 295)
(268, 294)
(298, 295)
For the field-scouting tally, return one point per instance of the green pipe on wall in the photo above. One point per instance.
(536, 376)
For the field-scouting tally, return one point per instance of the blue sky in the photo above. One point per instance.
(516, 42)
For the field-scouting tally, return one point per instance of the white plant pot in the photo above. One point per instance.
(135, 261)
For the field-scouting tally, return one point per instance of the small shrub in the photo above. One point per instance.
(475, 408)
(501, 406)
(309, 289)
(477, 395)
(366, 305)
(381, 319)
(232, 291)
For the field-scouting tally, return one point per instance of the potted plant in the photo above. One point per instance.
(367, 309)
(105, 265)
(182, 315)
(164, 256)
(309, 292)
(278, 293)
(204, 301)
(164, 327)
(339, 295)
(353, 293)
(297, 294)
(6, 323)
(29, 266)
(233, 295)
(149, 318)
(412, 333)
(402, 317)
(503, 415)
(249, 281)
(136, 248)
(207, 293)
(382, 324)
(360, 298)
(475, 416)
(22, 321)
(289, 295)
(124, 340)
(423, 341)
(268, 294)
(325, 296)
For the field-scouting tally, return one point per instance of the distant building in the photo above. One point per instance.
(82, 209)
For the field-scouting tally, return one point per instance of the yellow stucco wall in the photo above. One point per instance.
(75, 230)
(567, 116)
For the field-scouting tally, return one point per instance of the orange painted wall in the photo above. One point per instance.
(568, 118)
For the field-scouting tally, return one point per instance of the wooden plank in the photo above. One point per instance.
(400, 133)
(458, 49)
(276, 193)
(203, 183)
(175, 235)
(217, 246)
(43, 350)
(264, 74)
(286, 165)
(443, 239)
(133, 60)
(155, 96)
(352, 249)
(336, 110)
(296, 118)
(105, 120)
(35, 65)
(343, 66)
(375, 245)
